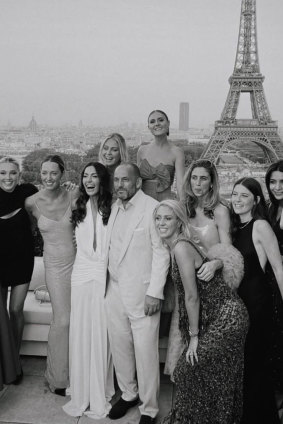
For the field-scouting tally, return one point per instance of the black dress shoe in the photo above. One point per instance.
(121, 407)
(146, 419)
(60, 392)
(19, 378)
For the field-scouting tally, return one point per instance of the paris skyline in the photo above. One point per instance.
(113, 61)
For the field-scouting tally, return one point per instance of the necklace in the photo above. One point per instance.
(245, 224)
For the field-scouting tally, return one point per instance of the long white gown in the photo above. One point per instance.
(91, 369)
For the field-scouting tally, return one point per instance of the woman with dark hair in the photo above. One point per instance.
(113, 151)
(16, 246)
(254, 238)
(213, 322)
(160, 160)
(91, 372)
(274, 185)
(52, 208)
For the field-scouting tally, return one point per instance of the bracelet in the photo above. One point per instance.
(193, 334)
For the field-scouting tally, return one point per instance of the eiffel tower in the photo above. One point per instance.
(246, 78)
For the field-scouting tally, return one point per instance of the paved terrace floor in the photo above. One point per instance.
(31, 402)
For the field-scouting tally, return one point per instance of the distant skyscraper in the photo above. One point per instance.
(184, 116)
(33, 125)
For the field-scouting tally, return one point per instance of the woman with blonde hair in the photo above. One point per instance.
(209, 223)
(113, 150)
(213, 322)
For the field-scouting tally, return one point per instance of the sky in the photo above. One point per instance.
(107, 62)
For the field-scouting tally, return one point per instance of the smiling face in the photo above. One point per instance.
(166, 223)
(276, 185)
(51, 175)
(158, 124)
(242, 202)
(200, 182)
(111, 153)
(9, 176)
(91, 181)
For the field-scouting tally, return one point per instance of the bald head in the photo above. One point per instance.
(127, 181)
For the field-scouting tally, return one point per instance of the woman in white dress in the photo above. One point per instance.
(91, 371)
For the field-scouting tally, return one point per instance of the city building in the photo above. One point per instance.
(184, 116)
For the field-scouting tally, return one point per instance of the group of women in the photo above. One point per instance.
(226, 336)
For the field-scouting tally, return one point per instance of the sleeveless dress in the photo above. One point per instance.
(58, 256)
(210, 391)
(9, 358)
(157, 180)
(16, 242)
(276, 354)
(91, 370)
(259, 403)
(202, 237)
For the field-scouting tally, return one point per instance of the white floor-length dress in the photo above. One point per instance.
(91, 370)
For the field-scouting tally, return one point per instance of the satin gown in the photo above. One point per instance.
(58, 256)
(210, 391)
(91, 370)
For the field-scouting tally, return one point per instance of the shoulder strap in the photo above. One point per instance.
(193, 244)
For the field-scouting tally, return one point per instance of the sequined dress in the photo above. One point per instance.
(210, 392)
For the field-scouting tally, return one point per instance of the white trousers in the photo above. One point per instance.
(134, 347)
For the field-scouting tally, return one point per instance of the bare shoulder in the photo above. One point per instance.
(184, 252)
(221, 211)
(141, 151)
(177, 151)
(262, 228)
(30, 201)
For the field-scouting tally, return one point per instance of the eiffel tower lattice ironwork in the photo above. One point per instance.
(246, 78)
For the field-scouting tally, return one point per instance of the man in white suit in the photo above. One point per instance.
(137, 268)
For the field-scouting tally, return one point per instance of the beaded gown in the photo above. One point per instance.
(210, 392)
(259, 403)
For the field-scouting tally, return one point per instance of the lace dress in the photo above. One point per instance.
(210, 392)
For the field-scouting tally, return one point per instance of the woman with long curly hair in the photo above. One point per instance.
(254, 238)
(91, 373)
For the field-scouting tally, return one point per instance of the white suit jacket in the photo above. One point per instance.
(144, 261)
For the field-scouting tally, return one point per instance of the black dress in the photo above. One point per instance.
(210, 392)
(9, 359)
(276, 354)
(259, 400)
(16, 242)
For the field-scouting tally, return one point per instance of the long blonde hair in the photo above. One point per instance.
(10, 159)
(180, 211)
(121, 144)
